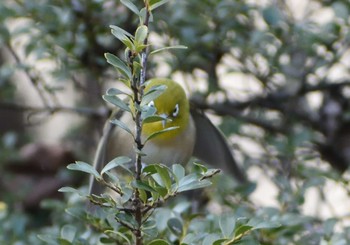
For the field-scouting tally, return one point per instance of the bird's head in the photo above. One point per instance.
(172, 105)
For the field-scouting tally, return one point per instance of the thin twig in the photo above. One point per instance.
(33, 80)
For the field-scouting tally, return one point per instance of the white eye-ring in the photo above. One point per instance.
(176, 110)
(151, 103)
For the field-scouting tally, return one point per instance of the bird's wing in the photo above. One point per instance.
(212, 148)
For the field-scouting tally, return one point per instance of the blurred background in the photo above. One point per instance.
(273, 75)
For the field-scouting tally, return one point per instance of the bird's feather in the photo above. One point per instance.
(211, 146)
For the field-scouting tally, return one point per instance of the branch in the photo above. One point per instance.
(279, 101)
(84, 111)
(33, 79)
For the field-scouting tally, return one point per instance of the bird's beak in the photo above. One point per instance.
(165, 117)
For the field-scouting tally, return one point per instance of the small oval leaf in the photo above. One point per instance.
(175, 226)
(121, 125)
(122, 160)
(119, 64)
(84, 167)
(158, 242)
(130, 6)
(141, 34)
(115, 100)
(161, 132)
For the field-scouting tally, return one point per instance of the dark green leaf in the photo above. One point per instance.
(175, 226)
(221, 241)
(158, 242)
(163, 172)
(242, 230)
(149, 169)
(141, 185)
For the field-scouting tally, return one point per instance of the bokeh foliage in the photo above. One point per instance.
(293, 108)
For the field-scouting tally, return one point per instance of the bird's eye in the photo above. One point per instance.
(151, 104)
(176, 110)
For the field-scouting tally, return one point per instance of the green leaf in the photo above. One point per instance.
(272, 15)
(227, 225)
(258, 223)
(68, 232)
(242, 230)
(124, 36)
(126, 218)
(158, 242)
(152, 94)
(179, 171)
(48, 238)
(168, 48)
(202, 169)
(137, 67)
(328, 226)
(68, 189)
(130, 6)
(211, 239)
(115, 100)
(163, 172)
(141, 185)
(221, 241)
(128, 192)
(153, 118)
(63, 241)
(84, 167)
(147, 111)
(160, 132)
(149, 169)
(115, 91)
(156, 3)
(192, 182)
(4, 34)
(119, 64)
(141, 34)
(122, 160)
(160, 191)
(175, 226)
(121, 125)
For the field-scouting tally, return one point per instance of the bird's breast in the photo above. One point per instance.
(178, 149)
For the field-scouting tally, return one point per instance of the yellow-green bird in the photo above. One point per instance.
(195, 136)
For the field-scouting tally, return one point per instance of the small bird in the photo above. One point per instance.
(195, 136)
